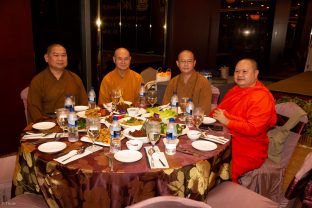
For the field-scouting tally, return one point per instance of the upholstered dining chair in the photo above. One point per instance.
(215, 96)
(28, 200)
(232, 195)
(24, 95)
(149, 74)
(6, 175)
(169, 201)
(268, 179)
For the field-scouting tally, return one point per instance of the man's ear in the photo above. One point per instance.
(177, 62)
(257, 73)
(46, 57)
(114, 59)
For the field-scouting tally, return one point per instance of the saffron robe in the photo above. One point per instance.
(197, 87)
(251, 112)
(46, 93)
(129, 84)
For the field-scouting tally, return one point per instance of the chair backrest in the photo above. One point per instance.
(6, 176)
(215, 96)
(169, 201)
(296, 122)
(149, 74)
(302, 182)
(24, 95)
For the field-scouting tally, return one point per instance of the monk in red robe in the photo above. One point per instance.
(248, 111)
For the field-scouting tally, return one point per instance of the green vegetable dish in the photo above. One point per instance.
(179, 127)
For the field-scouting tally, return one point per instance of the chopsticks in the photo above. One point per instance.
(189, 152)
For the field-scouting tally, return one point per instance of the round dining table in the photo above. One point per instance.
(99, 180)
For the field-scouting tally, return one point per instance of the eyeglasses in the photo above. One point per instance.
(189, 61)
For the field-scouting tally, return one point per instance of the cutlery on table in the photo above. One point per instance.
(151, 151)
(57, 137)
(79, 152)
(189, 152)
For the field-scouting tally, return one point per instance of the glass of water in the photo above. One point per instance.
(153, 131)
(93, 126)
(62, 118)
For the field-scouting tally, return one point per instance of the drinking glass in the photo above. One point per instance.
(153, 131)
(183, 104)
(93, 126)
(152, 97)
(62, 118)
(198, 117)
(72, 97)
(115, 96)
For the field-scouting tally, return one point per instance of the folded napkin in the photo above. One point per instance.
(216, 139)
(44, 135)
(74, 156)
(159, 158)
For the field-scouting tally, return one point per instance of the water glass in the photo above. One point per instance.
(153, 130)
(198, 117)
(152, 97)
(93, 126)
(115, 96)
(62, 118)
(183, 104)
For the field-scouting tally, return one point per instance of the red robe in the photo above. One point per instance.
(251, 112)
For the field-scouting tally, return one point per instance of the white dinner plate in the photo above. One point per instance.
(52, 147)
(81, 114)
(128, 126)
(204, 145)
(81, 108)
(128, 156)
(126, 134)
(208, 120)
(87, 139)
(43, 125)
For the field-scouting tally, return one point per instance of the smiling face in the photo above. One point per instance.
(246, 73)
(186, 62)
(122, 59)
(56, 57)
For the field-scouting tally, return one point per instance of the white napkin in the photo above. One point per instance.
(41, 136)
(216, 139)
(88, 151)
(158, 157)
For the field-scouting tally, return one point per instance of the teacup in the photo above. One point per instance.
(133, 111)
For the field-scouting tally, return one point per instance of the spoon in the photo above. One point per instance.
(151, 152)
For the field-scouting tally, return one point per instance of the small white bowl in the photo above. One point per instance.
(133, 111)
(193, 134)
(134, 144)
(208, 120)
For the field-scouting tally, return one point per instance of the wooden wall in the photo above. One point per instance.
(17, 68)
(194, 26)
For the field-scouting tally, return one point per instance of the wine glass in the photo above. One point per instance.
(183, 104)
(62, 118)
(153, 131)
(93, 126)
(152, 97)
(115, 96)
(198, 117)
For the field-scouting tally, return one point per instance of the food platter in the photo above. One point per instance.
(127, 134)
